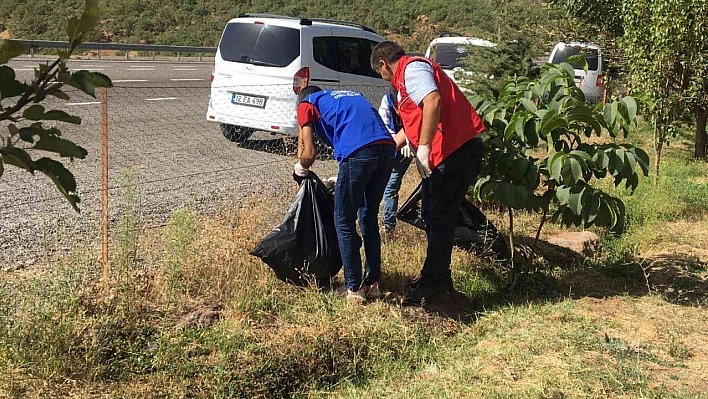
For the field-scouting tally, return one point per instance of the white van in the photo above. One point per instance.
(592, 84)
(263, 59)
(450, 52)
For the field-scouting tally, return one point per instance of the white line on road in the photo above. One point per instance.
(185, 80)
(24, 69)
(92, 66)
(161, 99)
(185, 69)
(130, 81)
(93, 69)
(86, 103)
(141, 69)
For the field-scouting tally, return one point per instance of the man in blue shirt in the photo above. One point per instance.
(346, 121)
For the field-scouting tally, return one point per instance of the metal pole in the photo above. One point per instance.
(99, 54)
(200, 56)
(178, 56)
(153, 56)
(127, 54)
(104, 173)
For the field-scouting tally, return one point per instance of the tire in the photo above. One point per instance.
(236, 134)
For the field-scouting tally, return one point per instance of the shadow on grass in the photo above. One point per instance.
(681, 279)
(563, 274)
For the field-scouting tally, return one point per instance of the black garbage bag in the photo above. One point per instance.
(473, 231)
(304, 247)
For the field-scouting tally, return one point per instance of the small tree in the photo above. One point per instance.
(24, 116)
(544, 154)
(665, 43)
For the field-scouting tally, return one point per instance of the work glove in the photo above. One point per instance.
(422, 161)
(406, 151)
(300, 170)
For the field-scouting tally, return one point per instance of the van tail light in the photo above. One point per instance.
(599, 81)
(301, 79)
(213, 69)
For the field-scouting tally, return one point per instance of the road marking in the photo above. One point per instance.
(130, 81)
(185, 80)
(161, 99)
(24, 69)
(86, 103)
(91, 66)
(93, 69)
(141, 69)
(185, 69)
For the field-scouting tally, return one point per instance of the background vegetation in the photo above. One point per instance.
(200, 22)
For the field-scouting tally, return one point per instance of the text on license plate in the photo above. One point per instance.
(251, 101)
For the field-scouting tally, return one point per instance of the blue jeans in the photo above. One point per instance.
(360, 186)
(390, 198)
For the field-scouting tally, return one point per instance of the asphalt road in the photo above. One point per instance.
(160, 146)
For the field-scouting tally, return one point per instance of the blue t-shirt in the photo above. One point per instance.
(347, 121)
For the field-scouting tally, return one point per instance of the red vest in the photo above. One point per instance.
(458, 123)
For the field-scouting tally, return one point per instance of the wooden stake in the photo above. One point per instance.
(104, 174)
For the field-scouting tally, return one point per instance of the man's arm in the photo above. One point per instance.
(306, 148)
(431, 117)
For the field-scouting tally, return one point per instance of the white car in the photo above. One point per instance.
(450, 53)
(262, 61)
(592, 84)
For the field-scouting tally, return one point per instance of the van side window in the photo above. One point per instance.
(345, 54)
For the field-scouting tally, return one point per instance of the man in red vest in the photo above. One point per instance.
(444, 130)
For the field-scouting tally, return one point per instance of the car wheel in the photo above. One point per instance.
(237, 134)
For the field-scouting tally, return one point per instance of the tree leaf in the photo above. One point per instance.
(10, 49)
(563, 195)
(64, 148)
(520, 196)
(17, 157)
(60, 95)
(572, 171)
(528, 104)
(33, 113)
(518, 169)
(62, 178)
(27, 133)
(506, 192)
(57, 115)
(575, 202)
(610, 115)
(631, 106)
(9, 85)
(555, 165)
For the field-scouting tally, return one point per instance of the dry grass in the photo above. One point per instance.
(584, 329)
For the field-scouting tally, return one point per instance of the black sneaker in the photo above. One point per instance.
(420, 293)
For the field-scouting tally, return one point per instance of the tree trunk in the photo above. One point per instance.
(658, 145)
(701, 135)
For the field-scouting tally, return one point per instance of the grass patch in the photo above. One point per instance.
(590, 329)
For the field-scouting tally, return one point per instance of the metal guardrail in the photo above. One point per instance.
(153, 48)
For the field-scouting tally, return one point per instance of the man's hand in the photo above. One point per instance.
(423, 161)
(301, 171)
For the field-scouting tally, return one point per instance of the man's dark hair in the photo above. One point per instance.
(306, 91)
(387, 51)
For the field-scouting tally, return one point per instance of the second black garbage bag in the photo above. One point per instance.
(473, 231)
(304, 247)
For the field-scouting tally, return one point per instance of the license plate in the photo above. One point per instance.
(248, 100)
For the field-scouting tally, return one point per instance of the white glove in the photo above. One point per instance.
(406, 151)
(422, 161)
(300, 170)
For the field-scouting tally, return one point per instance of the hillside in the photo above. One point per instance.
(199, 22)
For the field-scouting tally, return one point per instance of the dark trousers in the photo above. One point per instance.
(360, 186)
(443, 193)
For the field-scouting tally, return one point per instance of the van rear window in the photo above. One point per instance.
(260, 44)
(591, 56)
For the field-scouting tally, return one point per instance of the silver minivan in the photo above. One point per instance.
(263, 60)
(592, 84)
